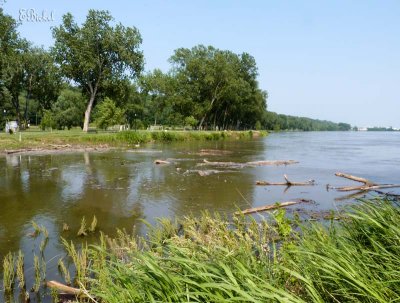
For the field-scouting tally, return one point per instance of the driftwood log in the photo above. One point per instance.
(246, 164)
(287, 183)
(161, 162)
(270, 207)
(368, 185)
(64, 288)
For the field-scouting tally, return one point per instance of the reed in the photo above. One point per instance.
(36, 265)
(65, 227)
(83, 229)
(80, 259)
(212, 259)
(93, 225)
(45, 232)
(8, 272)
(64, 271)
(20, 270)
(36, 229)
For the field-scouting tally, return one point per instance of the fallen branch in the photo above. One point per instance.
(275, 162)
(64, 288)
(354, 178)
(246, 164)
(57, 146)
(368, 185)
(269, 207)
(287, 183)
(161, 162)
(208, 172)
(15, 151)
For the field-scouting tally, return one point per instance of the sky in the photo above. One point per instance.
(330, 60)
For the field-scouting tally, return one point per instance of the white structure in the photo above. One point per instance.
(11, 125)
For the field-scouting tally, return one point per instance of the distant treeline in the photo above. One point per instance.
(274, 121)
(94, 72)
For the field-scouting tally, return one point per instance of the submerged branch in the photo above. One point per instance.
(287, 183)
(270, 207)
(246, 164)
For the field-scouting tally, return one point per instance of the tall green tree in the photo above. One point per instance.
(222, 86)
(12, 50)
(97, 53)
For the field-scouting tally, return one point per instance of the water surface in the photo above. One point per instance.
(122, 187)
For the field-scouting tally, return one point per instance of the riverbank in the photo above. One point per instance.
(213, 259)
(76, 140)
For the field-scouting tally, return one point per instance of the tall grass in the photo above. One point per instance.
(212, 259)
(357, 261)
(216, 259)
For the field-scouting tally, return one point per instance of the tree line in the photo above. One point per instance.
(94, 72)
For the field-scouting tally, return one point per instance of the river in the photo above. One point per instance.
(122, 187)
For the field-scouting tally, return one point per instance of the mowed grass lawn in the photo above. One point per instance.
(34, 138)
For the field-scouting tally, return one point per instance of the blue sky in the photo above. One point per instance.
(333, 60)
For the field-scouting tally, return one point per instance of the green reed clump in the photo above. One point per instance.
(216, 259)
(83, 229)
(36, 229)
(207, 259)
(36, 265)
(65, 227)
(357, 260)
(80, 259)
(8, 272)
(20, 270)
(64, 271)
(93, 225)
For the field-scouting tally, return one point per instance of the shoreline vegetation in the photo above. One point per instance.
(76, 140)
(213, 258)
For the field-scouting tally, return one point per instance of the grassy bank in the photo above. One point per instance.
(76, 138)
(213, 259)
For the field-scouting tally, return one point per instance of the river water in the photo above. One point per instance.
(123, 187)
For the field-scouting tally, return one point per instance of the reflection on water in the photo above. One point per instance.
(122, 187)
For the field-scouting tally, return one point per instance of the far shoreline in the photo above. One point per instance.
(69, 141)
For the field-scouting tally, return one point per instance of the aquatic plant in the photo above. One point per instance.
(93, 225)
(80, 259)
(65, 227)
(36, 265)
(210, 259)
(8, 272)
(82, 230)
(64, 271)
(36, 229)
(20, 270)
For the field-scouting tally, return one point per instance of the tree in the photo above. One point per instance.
(219, 87)
(69, 109)
(108, 114)
(97, 54)
(12, 50)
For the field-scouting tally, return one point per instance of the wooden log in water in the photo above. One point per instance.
(64, 288)
(287, 183)
(355, 178)
(161, 162)
(268, 207)
(247, 164)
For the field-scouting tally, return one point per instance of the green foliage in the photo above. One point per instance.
(108, 114)
(47, 120)
(217, 87)
(191, 121)
(277, 122)
(97, 55)
(211, 259)
(69, 109)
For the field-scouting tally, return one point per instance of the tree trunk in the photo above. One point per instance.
(88, 112)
